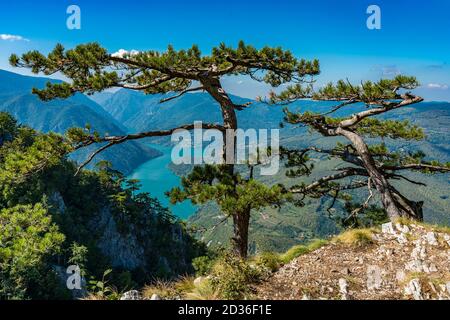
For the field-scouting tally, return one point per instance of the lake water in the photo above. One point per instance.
(156, 178)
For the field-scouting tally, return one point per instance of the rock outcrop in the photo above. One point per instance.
(401, 262)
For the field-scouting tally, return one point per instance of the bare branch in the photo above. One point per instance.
(114, 140)
(92, 155)
(347, 172)
(399, 176)
(154, 83)
(358, 117)
(418, 166)
(181, 93)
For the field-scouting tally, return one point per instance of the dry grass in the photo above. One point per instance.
(299, 250)
(170, 289)
(164, 289)
(355, 237)
(203, 291)
(427, 226)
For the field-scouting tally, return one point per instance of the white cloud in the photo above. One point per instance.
(122, 53)
(12, 37)
(437, 86)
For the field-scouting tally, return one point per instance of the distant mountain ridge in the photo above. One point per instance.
(60, 114)
(139, 112)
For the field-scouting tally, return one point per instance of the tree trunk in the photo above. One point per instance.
(214, 88)
(241, 220)
(241, 223)
(394, 203)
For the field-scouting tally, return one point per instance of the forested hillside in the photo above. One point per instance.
(51, 218)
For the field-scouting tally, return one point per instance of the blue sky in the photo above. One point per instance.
(414, 37)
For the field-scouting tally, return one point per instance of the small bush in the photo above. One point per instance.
(355, 237)
(184, 284)
(170, 289)
(203, 265)
(232, 277)
(203, 291)
(268, 260)
(164, 289)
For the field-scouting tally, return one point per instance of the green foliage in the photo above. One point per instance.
(89, 66)
(369, 91)
(28, 239)
(78, 256)
(394, 129)
(269, 260)
(366, 217)
(101, 289)
(8, 127)
(232, 277)
(231, 192)
(203, 265)
(36, 176)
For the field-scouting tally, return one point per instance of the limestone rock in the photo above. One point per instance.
(388, 228)
(419, 252)
(155, 297)
(402, 239)
(343, 286)
(414, 289)
(431, 239)
(447, 239)
(374, 279)
(131, 295)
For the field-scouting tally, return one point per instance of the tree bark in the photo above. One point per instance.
(241, 222)
(394, 203)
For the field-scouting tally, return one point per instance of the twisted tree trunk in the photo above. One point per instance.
(241, 220)
(395, 204)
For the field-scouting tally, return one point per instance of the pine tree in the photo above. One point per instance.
(92, 69)
(374, 166)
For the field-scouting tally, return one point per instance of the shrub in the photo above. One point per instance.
(232, 277)
(203, 265)
(28, 239)
(268, 260)
(163, 289)
(203, 291)
(355, 237)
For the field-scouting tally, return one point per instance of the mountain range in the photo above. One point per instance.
(59, 115)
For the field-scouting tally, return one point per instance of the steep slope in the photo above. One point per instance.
(401, 262)
(59, 115)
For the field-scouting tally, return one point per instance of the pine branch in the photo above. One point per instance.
(419, 166)
(181, 94)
